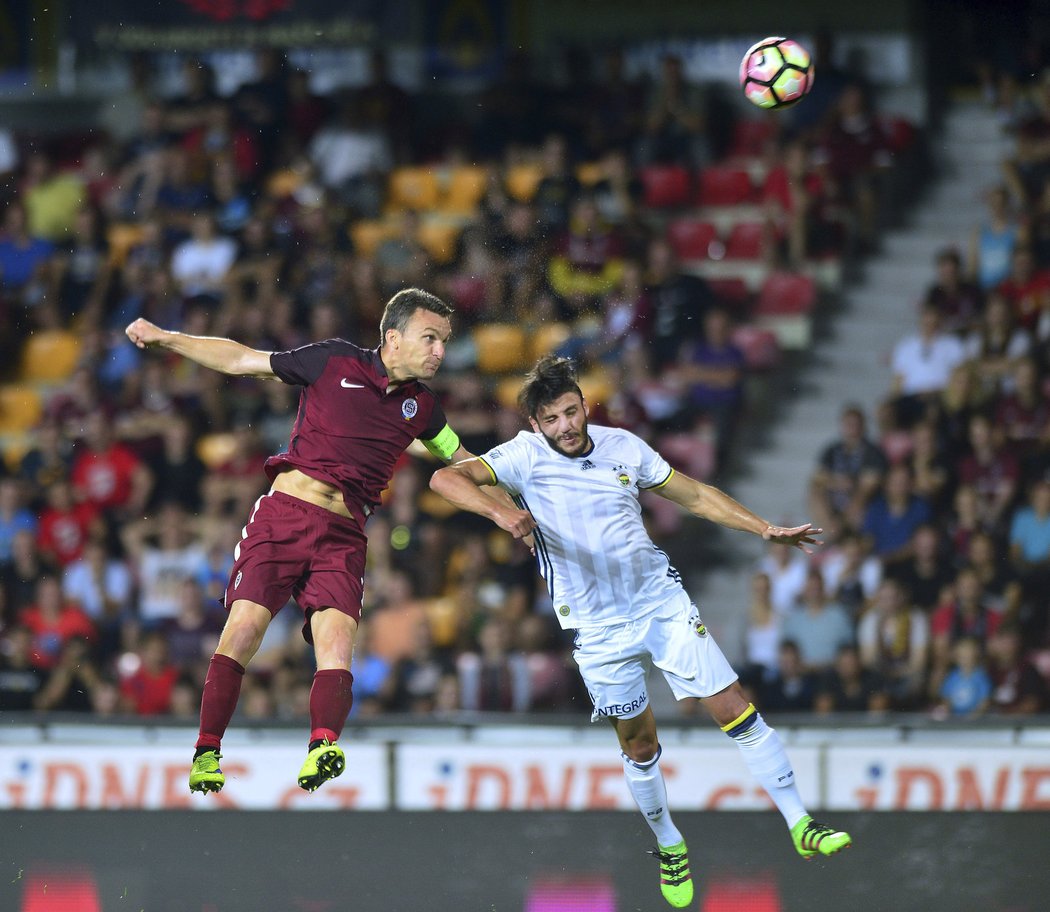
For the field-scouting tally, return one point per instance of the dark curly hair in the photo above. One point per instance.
(550, 378)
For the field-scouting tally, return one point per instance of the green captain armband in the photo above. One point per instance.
(444, 444)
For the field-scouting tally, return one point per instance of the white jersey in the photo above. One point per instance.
(592, 549)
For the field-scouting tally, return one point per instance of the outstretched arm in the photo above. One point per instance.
(709, 502)
(222, 355)
(462, 485)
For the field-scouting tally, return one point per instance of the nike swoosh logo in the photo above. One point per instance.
(345, 384)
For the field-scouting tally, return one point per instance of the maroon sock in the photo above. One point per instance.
(330, 700)
(222, 687)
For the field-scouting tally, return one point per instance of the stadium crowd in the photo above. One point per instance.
(277, 216)
(933, 591)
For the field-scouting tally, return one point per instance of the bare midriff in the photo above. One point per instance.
(320, 493)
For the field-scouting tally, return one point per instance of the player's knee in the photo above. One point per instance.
(642, 748)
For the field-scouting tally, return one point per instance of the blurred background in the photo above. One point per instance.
(838, 312)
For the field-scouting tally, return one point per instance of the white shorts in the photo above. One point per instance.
(615, 660)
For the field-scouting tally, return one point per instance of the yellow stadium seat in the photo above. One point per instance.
(49, 357)
(466, 187)
(367, 235)
(507, 392)
(121, 238)
(217, 449)
(589, 173)
(547, 338)
(522, 181)
(413, 188)
(20, 408)
(501, 347)
(439, 239)
(597, 386)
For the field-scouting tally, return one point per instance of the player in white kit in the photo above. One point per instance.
(576, 486)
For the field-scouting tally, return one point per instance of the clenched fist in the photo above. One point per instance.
(143, 333)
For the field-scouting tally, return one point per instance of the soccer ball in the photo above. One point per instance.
(776, 72)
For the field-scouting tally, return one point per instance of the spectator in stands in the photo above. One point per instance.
(967, 688)
(53, 622)
(550, 682)
(20, 680)
(679, 302)
(102, 586)
(200, 263)
(893, 638)
(66, 525)
(712, 371)
(15, 517)
(994, 345)
(49, 458)
(164, 554)
(192, 633)
(83, 271)
(52, 198)
(850, 687)
(968, 613)
(147, 690)
(21, 572)
(353, 158)
(958, 300)
(413, 682)
(792, 688)
(557, 189)
(922, 364)
(786, 568)
(931, 469)
(851, 575)
(818, 627)
(991, 469)
(1024, 414)
(587, 261)
(1017, 687)
(1030, 540)
(23, 256)
(849, 472)
(1026, 289)
(992, 243)
(761, 635)
(370, 675)
(925, 573)
(494, 678)
(674, 127)
(177, 468)
(999, 580)
(72, 679)
(108, 474)
(894, 514)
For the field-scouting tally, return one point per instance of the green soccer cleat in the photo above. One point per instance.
(205, 775)
(324, 762)
(676, 883)
(812, 838)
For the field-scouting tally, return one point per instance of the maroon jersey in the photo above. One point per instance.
(349, 432)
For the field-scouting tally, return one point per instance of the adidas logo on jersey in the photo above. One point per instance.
(587, 464)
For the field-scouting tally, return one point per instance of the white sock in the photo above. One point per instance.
(768, 762)
(646, 782)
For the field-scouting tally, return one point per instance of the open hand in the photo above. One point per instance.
(143, 333)
(799, 536)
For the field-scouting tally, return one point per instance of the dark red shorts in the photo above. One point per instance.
(294, 549)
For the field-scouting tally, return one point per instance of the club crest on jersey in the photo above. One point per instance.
(409, 408)
(622, 476)
(237, 581)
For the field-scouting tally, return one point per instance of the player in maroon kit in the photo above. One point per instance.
(358, 411)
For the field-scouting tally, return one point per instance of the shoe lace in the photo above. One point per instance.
(814, 833)
(674, 866)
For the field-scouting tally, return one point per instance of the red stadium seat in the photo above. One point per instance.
(750, 137)
(691, 239)
(787, 293)
(665, 186)
(746, 241)
(722, 186)
(760, 347)
(731, 292)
